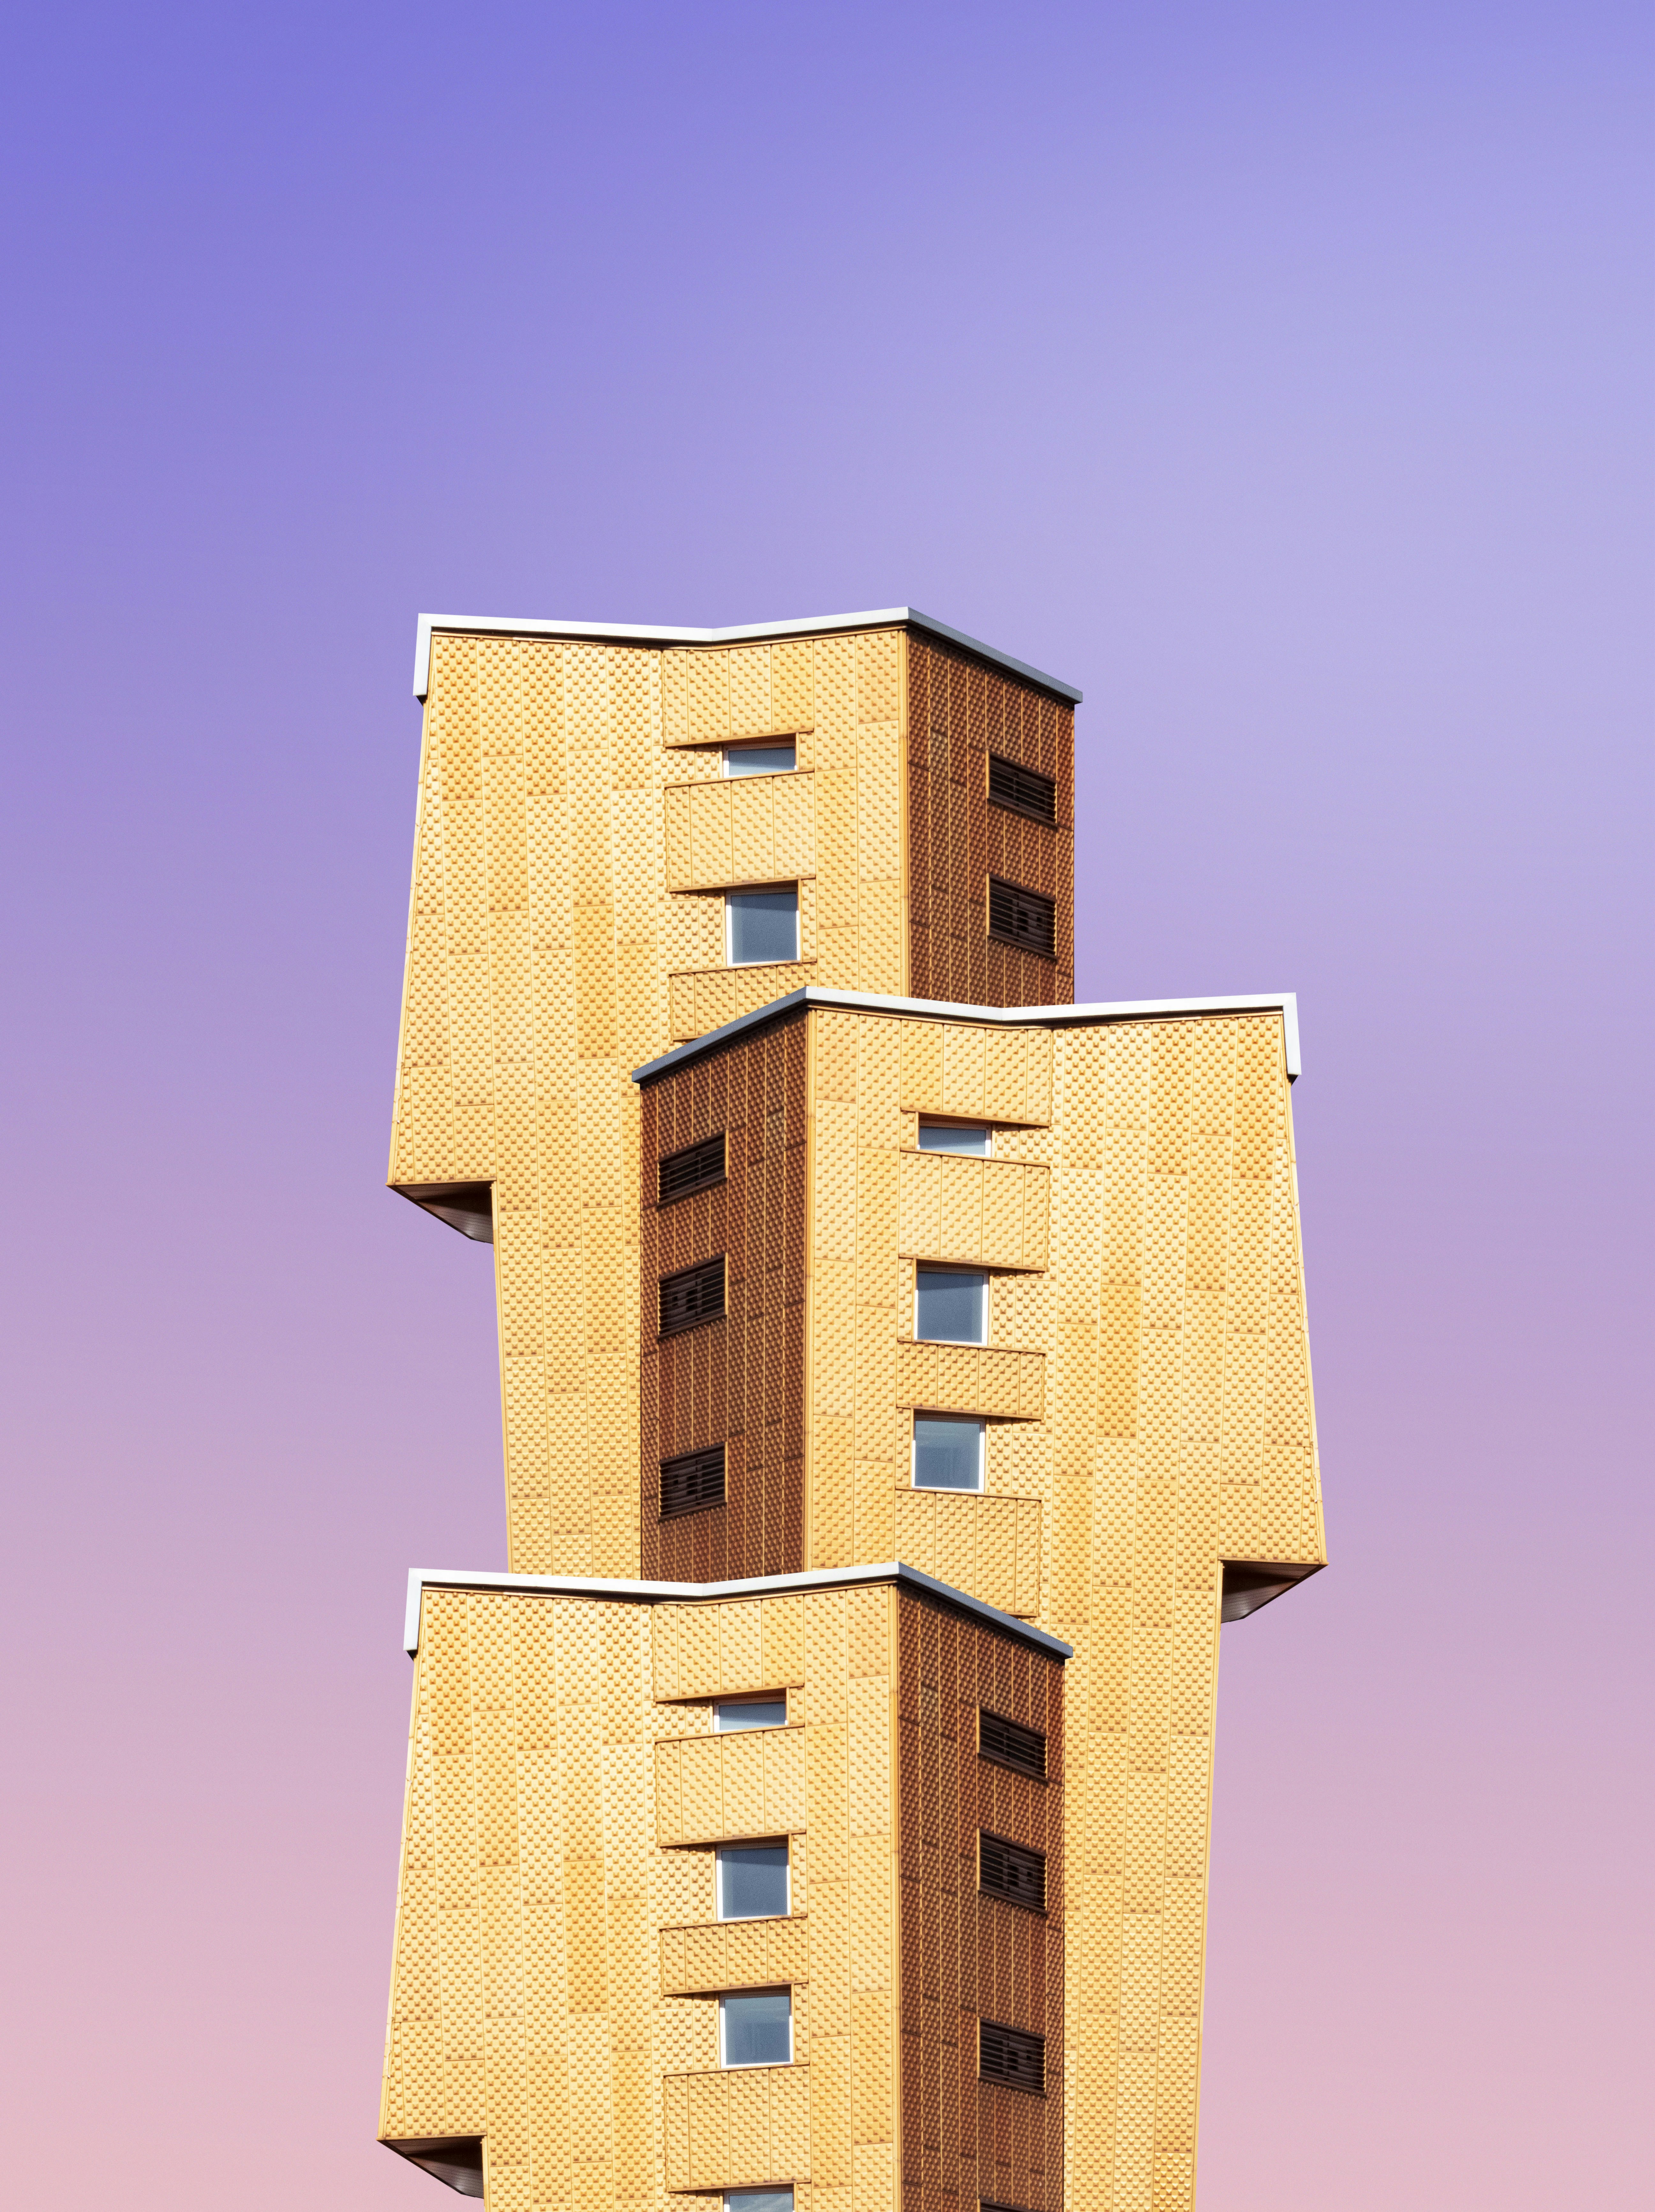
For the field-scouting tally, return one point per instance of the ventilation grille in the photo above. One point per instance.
(691, 1481)
(698, 1168)
(693, 1294)
(1022, 918)
(1009, 1743)
(1008, 2055)
(1023, 790)
(1011, 1871)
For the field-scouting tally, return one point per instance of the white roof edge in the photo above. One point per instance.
(423, 1578)
(658, 634)
(1115, 1010)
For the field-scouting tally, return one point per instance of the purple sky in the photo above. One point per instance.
(1281, 374)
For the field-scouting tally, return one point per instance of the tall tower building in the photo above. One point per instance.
(904, 1374)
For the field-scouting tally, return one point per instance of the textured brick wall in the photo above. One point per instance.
(966, 1957)
(738, 1381)
(959, 711)
(546, 1915)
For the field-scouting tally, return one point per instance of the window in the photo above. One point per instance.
(754, 1882)
(755, 2028)
(949, 1137)
(694, 1294)
(761, 926)
(951, 1305)
(750, 1713)
(761, 760)
(1023, 790)
(1023, 918)
(691, 1481)
(947, 1453)
(758, 2200)
(1009, 1743)
(1009, 2055)
(1011, 1871)
(697, 1168)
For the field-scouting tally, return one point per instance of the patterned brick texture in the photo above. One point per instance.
(967, 1957)
(959, 711)
(552, 1899)
(740, 1381)
(1173, 1430)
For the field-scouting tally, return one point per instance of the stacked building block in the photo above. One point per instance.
(736, 1616)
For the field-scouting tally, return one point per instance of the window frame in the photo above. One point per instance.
(1008, 1895)
(752, 1843)
(1009, 1760)
(1017, 805)
(1020, 944)
(755, 1697)
(705, 1182)
(665, 1329)
(947, 1489)
(758, 745)
(984, 1130)
(746, 2065)
(759, 891)
(683, 1463)
(1014, 2037)
(984, 1275)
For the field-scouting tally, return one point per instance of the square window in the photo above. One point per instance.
(754, 1881)
(762, 926)
(949, 1137)
(750, 1713)
(755, 2028)
(947, 1453)
(951, 1305)
(761, 760)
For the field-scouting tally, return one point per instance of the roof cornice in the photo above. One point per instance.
(646, 1593)
(653, 633)
(1286, 1003)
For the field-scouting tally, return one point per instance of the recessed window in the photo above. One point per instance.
(755, 2028)
(1009, 1743)
(1022, 790)
(947, 1453)
(951, 1305)
(758, 2200)
(761, 926)
(694, 1294)
(1011, 2056)
(750, 1713)
(1025, 919)
(1011, 1871)
(691, 1482)
(698, 1167)
(753, 1881)
(951, 1137)
(761, 760)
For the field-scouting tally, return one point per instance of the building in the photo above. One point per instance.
(904, 1372)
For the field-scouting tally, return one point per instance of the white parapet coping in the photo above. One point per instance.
(655, 633)
(637, 1592)
(1286, 1003)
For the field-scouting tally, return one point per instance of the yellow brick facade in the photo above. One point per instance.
(1150, 1439)
(557, 1949)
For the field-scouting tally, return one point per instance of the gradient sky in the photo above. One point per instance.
(1279, 373)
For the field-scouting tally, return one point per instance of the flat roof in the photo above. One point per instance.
(744, 633)
(637, 1592)
(1286, 1003)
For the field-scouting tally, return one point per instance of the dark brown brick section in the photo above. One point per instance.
(959, 711)
(966, 1957)
(738, 1381)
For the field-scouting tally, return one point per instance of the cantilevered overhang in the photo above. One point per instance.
(626, 1592)
(655, 635)
(1251, 1584)
(1286, 1003)
(457, 2160)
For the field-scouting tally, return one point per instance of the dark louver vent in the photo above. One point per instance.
(694, 1294)
(697, 1168)
(1009, 1743)
(1008, 2055)
(1020, 917)
(1023, 790)
(691, 1481)
(1010, 1871)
